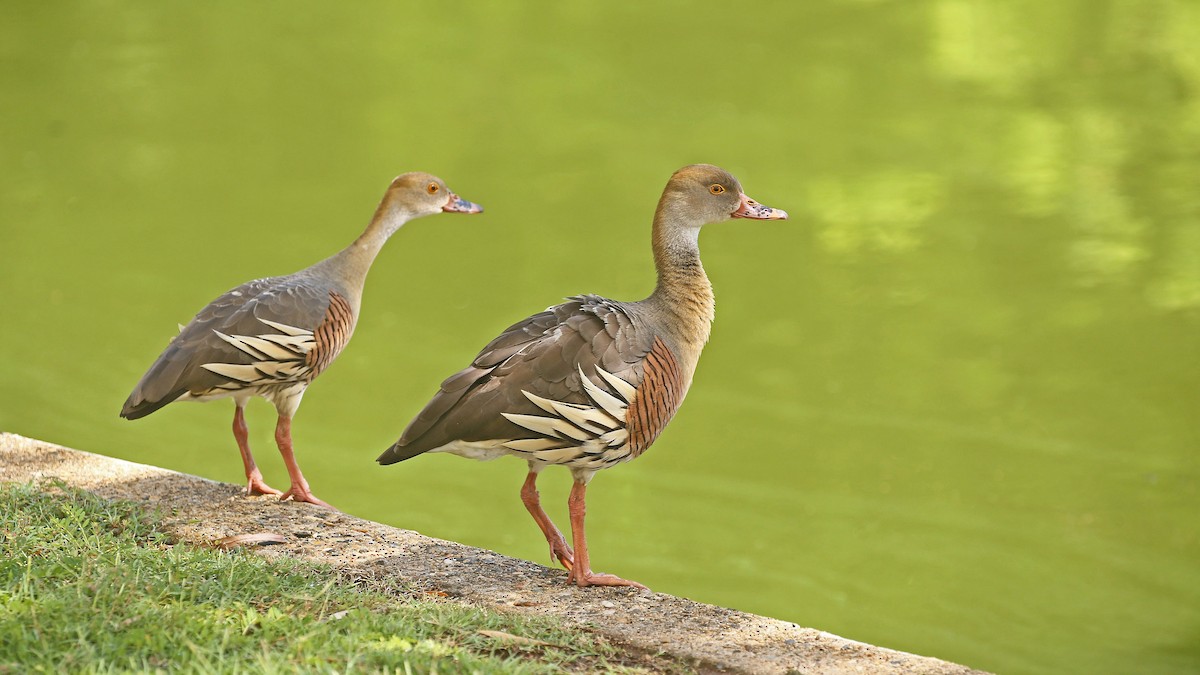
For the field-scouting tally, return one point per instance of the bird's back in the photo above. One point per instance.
(581, 365)
(276, 331)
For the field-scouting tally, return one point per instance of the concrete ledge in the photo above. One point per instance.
(697, 636)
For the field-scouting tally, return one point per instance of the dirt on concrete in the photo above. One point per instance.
(662, 629)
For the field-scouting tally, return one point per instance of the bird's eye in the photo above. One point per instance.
(716, 188)
(433, 188)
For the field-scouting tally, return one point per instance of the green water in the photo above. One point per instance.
(949, 407)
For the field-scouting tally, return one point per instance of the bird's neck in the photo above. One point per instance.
(352, 263)
(683, 292)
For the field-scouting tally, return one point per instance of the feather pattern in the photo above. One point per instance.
(560, 387)
(331, 335)
(277, 359)
(597, 433)
(267, 337)
(659, 396)
(294, 356)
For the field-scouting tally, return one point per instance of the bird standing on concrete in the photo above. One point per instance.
(592, 382)
(271, 337)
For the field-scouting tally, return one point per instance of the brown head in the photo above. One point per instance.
(410, 195)
(701, 194)
(415, 194)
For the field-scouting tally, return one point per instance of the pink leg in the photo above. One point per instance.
(299, 491)
(581, 573)
(558, 544)
(254, 479)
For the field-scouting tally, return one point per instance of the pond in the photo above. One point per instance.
(949, 407)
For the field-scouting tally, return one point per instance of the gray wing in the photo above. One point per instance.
(541, 355)
(295, 306)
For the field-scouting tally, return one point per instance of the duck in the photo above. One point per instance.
(592, 382)
(272, 337)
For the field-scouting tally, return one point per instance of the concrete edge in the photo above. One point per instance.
(705, 637)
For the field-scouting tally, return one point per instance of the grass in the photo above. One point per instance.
(89, 585)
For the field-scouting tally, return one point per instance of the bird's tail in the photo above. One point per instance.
(398, 453)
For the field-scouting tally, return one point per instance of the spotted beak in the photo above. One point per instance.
(752, 209)
(457, 204)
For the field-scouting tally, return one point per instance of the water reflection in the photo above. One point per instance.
(883, 212)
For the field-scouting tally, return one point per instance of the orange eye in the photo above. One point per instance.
(716, 188)
(433, 188)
